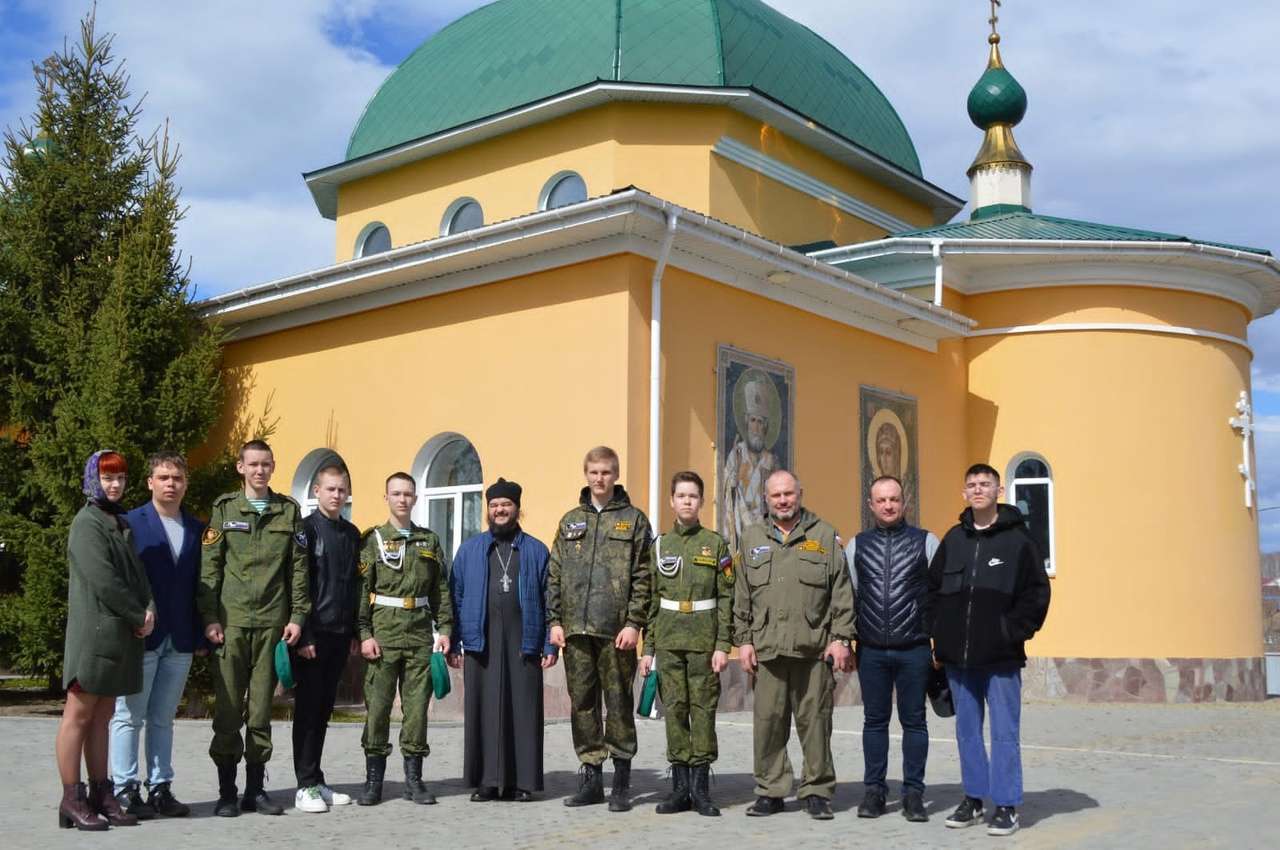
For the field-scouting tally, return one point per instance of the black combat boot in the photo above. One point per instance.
(678, 799)
(590, 787)
(620, 794)
(226, 807)
(255, 797)
(130, 799)
(375, 768)
(414, 789)
(700, 790)
(162, 800)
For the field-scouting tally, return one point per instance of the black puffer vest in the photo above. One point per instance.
(893, 587)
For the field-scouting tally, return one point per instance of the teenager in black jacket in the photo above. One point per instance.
(989, 594)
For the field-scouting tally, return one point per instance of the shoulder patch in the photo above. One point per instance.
(211, 536)
(726, 568)
(362, 568)
(300, 537)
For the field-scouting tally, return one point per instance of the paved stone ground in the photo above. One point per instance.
(1124, 776)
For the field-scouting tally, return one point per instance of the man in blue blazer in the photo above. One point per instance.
(167, 539)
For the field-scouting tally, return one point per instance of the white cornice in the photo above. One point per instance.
(735, 151)
(323, 183)
(1125, 327)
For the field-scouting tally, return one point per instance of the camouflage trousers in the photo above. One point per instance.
(690, 692)
(596, 672)
(244, 682)
(410, 668)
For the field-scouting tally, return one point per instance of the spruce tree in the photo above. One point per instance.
(101, 345)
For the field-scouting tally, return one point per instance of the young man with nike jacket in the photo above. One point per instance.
(988, 595)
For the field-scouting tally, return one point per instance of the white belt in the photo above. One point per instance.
(687, 606)
(408, 602)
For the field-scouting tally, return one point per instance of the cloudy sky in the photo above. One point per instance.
(1161, 114)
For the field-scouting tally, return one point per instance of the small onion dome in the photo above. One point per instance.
(997, 98)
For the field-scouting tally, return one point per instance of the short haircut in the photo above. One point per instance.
(402, 476)
(167, 458)
(601, 454)
(981, 469)
(112, 463)
(255, 446)
(333, 468)
(780, 471)
(883, 478)
(687, 476)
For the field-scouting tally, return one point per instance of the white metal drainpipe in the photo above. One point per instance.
(655, 369)
(937, 272)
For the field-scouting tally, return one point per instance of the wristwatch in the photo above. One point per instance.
(844, 642)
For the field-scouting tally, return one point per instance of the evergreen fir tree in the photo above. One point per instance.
(100, 343)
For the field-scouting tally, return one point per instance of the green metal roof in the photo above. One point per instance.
(515, 52)
(1027, 225)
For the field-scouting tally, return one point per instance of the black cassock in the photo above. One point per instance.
(503, 741)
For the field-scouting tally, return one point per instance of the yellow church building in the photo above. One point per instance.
(698, 233)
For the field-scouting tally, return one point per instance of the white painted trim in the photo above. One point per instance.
(748, 157)
(324, 182)
(1052, 569)
(1129, 327)
(544, 196)
(655, 363)
(451, 212)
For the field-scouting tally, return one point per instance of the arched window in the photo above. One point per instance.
(1031, 489)
(450, 481)
(462, 215)
(303, 479)
(563, 189)
(373, 239)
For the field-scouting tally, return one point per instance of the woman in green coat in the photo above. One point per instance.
(109, 612)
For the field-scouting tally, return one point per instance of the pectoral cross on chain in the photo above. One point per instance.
(1244, 424)
(506, 583)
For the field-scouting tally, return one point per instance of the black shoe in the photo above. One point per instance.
(414, 788)
(764, 806)
(872, 805)
(967, 813)
(162, 800)
(522, 796)
(620, 793)
(484, 794)
(227, 805)
(913, 807)
(590, 787)
(678, 800)
(375, 768)
(255, 797)
(700, 791)
(819, 808)
(130, 799)
(1004, 821)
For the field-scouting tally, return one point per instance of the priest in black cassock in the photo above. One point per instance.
(499, 583)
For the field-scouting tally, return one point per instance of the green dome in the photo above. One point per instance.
(997, 98)
(515, 52)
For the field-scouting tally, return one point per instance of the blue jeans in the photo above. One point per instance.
(164, 675)
(880, 673)
(998, 692)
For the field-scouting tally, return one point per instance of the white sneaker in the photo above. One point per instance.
(309, 800)
(334, 798)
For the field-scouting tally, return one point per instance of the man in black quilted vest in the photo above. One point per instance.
(889, 564)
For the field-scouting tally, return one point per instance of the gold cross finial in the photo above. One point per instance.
(993, 20)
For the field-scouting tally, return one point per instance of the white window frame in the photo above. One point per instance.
(426, 495)
(304, 478)
(544, 197)
(446, 223)
(1051, 568)
(365, 233)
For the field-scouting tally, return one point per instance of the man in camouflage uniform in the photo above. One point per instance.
(406, 588)
(689, 634)
(597, 602)
(252, 594)
(793, 616)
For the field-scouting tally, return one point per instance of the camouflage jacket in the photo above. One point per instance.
(691, 564)
(599, 575)
(410, 569)
(253, 567)
(793, 594)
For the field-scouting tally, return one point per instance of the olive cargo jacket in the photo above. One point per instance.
(253, 567)
(407, 568)
(793, 595)
(599, 576)
(700, 568)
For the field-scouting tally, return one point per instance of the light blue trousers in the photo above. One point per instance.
(164, 675)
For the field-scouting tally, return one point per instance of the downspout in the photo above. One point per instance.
(655, 367)
(937, 272)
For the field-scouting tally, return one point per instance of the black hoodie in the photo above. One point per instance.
(988, 591)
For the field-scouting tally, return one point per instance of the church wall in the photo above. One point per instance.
(1157, 556)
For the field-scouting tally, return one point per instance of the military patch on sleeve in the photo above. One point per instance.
(362, 568)
(211, 536)
(622, 525)
(726, 567)
(300, 537)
